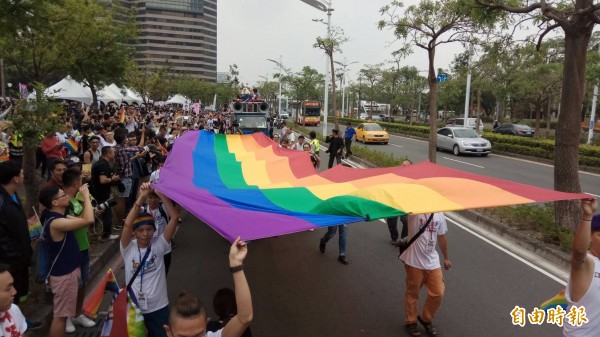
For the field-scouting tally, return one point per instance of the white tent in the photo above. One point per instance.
(132, 96)
(177, 99)
(109, 94)
(70, 89)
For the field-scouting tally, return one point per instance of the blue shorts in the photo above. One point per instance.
(127, 182)
(85, 266)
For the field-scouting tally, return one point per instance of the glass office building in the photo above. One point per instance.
(180, 33)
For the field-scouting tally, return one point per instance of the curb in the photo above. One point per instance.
(99, 259)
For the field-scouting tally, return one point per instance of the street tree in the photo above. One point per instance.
(152, 84)
(577, 20)
(332, 44)
(102, 52)
(427, 25)
(372, 74)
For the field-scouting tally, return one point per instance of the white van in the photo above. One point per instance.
(471, 123)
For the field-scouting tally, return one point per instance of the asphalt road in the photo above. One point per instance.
(503, 167)
(297, 291)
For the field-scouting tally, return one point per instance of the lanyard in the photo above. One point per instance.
(143, 262)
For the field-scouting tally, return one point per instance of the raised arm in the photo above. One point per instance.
(240, 322)
(71, 224)
(173, 216)
(582, 266)
(127, 234)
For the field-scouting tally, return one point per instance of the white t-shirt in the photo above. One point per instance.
(105, 143)
(159, 221)
(154, 176)
(17, 320)
(152, 280)
(422, 253)
(214, 334)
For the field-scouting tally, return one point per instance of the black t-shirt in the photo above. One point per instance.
(101, 192)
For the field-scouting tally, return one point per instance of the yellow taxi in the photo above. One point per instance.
(371, 133)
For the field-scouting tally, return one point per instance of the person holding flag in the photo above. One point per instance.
(141, 250)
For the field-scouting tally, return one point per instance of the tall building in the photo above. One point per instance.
(180, 33)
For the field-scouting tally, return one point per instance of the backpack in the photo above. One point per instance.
(43, 262)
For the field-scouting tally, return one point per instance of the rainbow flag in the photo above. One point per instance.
(121, 115)
(557, 300)
(126, 319)
(178, 117)
(92, 303)
(266, 191)
(35, 227)
(72, 145)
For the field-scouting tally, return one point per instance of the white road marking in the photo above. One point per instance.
(463, 162)
(395, 145)
(558, 275)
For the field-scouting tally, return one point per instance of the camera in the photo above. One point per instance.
(107, 204)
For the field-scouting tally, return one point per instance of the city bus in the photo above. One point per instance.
(308, 113)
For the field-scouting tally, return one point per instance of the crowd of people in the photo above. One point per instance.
(99, 166)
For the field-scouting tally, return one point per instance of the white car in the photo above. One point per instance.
(461, 140)
(364, 116)
(284, 115)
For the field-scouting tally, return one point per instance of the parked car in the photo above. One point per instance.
(371, 133)
(462, 140)
(363, 116)
(375, 118)
(515, 130)
(387, 118)
(471, 123)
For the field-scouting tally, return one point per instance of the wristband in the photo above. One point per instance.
(236, 268)
(138, 205)
(586, 219)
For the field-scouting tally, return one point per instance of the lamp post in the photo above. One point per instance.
(279, 63)
(324, 6)
(345, 65)
(468, 92)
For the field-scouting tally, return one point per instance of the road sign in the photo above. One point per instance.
(441, 77)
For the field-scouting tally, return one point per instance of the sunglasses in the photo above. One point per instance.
(62, 196)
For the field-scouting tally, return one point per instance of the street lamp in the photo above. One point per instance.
(345, 65)
(279, 63)
(324, 6)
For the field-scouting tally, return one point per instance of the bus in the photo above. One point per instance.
(308, 113)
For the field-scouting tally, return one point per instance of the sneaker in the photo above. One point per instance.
(343, 260)
(69, 328)
(33, 325)
(84, 321)
(109, 238)
(394, 242)
(322, 246)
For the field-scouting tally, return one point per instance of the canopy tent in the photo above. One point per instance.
(109, 94)
(245, 185)
(177, 99)
(132, 96)
(70, 89)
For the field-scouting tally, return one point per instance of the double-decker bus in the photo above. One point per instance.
(308, 113)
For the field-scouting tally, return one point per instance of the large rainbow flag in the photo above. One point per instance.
(244, 185)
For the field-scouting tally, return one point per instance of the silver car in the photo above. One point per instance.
(462, 140)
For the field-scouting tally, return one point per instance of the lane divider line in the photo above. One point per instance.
(463, 162)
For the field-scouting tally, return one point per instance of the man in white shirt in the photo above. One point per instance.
(188, 315)
(423, 268)
(137, 242)
(12, 321)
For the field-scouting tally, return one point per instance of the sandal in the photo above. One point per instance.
(412, 329)
(431, 331)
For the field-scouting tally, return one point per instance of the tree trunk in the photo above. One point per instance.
(478, 121)
(548, 117)
(32, 182)
(333, 93)
(566, 150)
(432, 106)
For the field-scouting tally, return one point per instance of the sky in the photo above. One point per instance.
(252, 31)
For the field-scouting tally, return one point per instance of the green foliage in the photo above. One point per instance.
(304, 84)
(536, 218)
